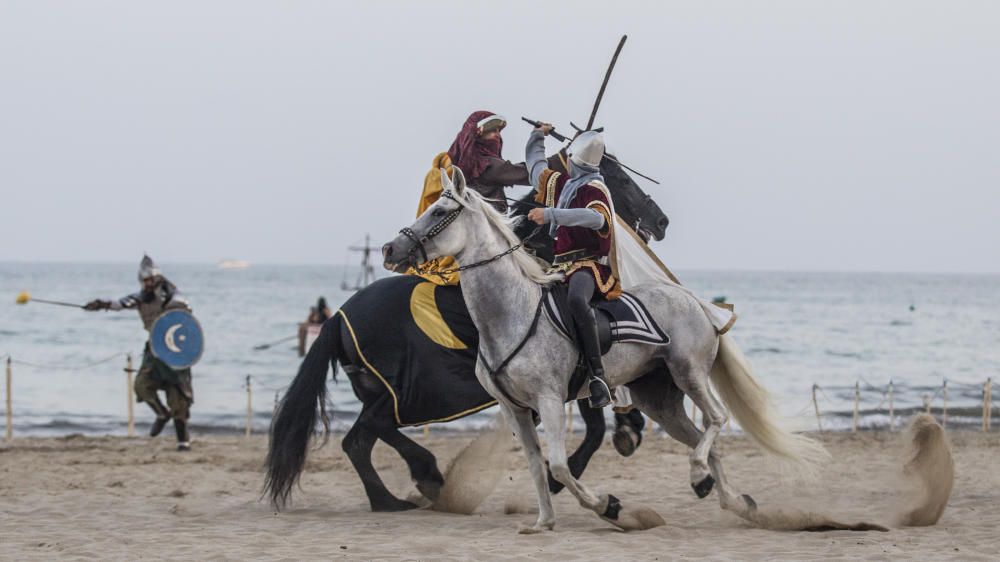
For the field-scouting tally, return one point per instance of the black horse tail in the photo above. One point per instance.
(295, 420)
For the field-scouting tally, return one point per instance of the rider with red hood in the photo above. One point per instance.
(477, 152)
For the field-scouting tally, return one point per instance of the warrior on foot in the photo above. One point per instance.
(157, 296)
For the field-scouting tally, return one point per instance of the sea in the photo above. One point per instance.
(838, 337)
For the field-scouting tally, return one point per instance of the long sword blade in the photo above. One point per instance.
(607, 76)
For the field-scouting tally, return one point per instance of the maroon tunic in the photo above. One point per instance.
(594, 244)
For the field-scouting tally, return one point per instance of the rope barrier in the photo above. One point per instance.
(886, 394)
(65, 367)
(927, 399)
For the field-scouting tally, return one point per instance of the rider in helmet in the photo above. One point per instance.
(157, 295)
(580, 215)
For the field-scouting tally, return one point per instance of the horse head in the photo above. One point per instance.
(632, 204)
(437, 232)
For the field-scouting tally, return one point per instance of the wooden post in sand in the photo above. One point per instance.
(128, 393)
(944, 405)
(857, 401)
(819, 424)
(927, 403)
(249, 408)
(989, 410)
(427, 431)
(569, 417)
(892, 409)
(987, 400)
(10, 414)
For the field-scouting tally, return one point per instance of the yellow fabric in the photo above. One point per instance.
(395, 399)
(432, 182)
(431, 193)
(423, 307)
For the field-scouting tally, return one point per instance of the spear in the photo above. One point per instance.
(25, 298)
(271, 344)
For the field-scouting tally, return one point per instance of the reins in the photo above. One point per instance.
(493, 372)
(437, 229)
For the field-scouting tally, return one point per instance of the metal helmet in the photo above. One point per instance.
(587, 149)
(148, 269)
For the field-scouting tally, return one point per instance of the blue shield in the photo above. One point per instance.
(177, 339)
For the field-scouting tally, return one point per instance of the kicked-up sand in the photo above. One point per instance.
(121, 498)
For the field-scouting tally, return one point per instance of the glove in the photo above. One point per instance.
(97, 304)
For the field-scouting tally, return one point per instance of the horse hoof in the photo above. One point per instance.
(624, 441)
(555, 486)
(398, 505)
(430, 489)
(538, 527)
(752, 505)
(703, 488)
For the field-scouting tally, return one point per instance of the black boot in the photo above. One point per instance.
(183, 439)
(600, 394)
(162, 417)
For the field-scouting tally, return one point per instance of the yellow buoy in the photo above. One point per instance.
(23, 298)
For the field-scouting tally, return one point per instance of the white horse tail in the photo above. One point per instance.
(749, 403)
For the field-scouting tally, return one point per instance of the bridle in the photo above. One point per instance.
(439, 228)
(434, 230)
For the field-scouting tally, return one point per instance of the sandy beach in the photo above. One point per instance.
(120, 498)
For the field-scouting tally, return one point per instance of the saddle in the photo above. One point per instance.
(624, 319)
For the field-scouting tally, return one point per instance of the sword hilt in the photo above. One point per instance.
(552, 133)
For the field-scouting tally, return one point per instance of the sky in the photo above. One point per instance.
(788, 135)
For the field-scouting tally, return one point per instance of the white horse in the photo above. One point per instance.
(526, 364)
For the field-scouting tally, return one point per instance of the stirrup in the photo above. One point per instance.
(602, 396)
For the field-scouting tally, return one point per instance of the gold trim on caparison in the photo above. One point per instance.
(395, 399)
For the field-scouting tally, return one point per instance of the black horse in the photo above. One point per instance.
(305, 400)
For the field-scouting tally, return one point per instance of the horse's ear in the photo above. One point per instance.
(445, 180)
(459, 180)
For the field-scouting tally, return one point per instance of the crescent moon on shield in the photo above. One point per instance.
(168, 338)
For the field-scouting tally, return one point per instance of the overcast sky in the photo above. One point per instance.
(788, 135)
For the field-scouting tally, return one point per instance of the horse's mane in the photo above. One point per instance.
(526, 263)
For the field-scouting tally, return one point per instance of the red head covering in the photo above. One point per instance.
(471, 153)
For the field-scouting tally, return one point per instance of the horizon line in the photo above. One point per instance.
(709, 269)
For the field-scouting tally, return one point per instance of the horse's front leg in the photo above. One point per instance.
(554, 421)
(607, 507)
(520, 420)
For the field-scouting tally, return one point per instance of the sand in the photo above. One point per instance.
(119, 498)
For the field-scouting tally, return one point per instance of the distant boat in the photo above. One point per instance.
(308, 332)
(233, 264)
(367, 274)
